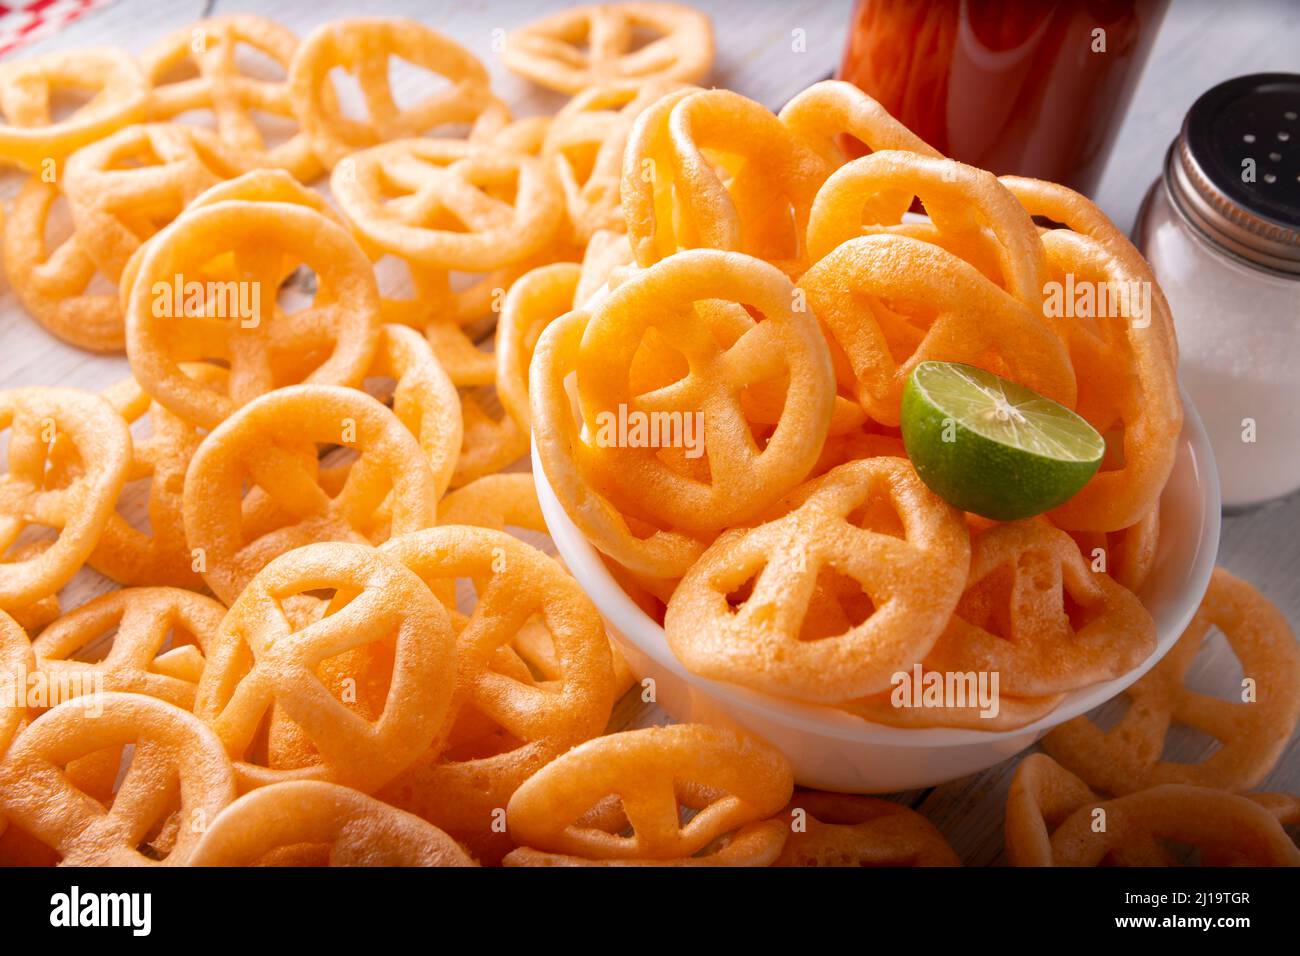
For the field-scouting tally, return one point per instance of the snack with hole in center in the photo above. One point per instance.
(1253, 730)
(732, 781)
(283, 819)
(584, 46)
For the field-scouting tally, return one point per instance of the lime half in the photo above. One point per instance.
(991, 446)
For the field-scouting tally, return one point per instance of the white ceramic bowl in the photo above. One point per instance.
(832, 750)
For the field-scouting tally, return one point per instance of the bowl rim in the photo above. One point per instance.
(631, 624)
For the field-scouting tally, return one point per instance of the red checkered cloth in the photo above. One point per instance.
(25, 21)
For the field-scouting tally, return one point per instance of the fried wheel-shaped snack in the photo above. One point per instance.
(424, 399)
(972, 215)
(122, 189)
(354, 829)
(363, 47)
(841, 829)
(261, 659)
(16, 662)
(30, 136)
(178, 771)
(891, 302)
(717, 361)
(574, 49)
(657, 551)
(712, 169)
(271, 444)
(265, 242)
(258, 185)
(1140, 825)
(1129, 553)
(495, 501)
(78, 508)
(1062, 204)
(1053, 819)
(504, 724)
(536, 300)
(140, 621)
(159, 555)
(1034, 612)
(1128, 391)
(1043, 795)
(828, 110)
(449, 204)
(212, 47)
(731, 780)
(1252, 733)
(585, 143)
(54, 284)
(872, 521)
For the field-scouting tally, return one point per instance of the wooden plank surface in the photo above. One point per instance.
(1200, 44)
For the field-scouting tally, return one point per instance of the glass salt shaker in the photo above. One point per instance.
(1221, 229)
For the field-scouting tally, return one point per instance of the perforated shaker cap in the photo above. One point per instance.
(1234, 170)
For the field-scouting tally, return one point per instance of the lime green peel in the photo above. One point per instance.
(991, 446)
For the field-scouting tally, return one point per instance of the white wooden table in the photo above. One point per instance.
(1200, 44)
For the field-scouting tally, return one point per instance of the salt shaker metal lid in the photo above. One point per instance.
(1234, 170)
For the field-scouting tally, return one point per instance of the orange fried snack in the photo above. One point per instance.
(363, 47)
(159, 555)
(712, 169)
(699, 305)
(141, 621)
(842, 829)
(741, 611)
(972, 216)
(505, 724)
(449, 204)
(890, 302)
(353, 829)
(424, 398)
(1034, 612)
(16, 663)
(53, 283)
(655, 550)
(495, 501)
(258, 185)
(1128, 390)
(178, 773)
(30, 136)
(1129, 554)
(538, 298)
(262, 658)
(1042, 796)
(264, 346)
(1252, 733)
(271, 444)
(1062, 204)
(585, 143)
(211, 48)
(580, 47)
(828, 110)
(733, 782)
(79, 508)
(124, 188)
(1053, 819)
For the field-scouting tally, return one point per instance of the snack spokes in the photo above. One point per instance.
(920, 323)
(705, 315)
